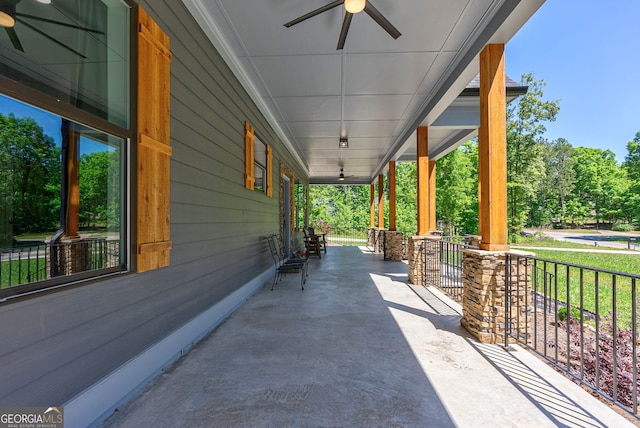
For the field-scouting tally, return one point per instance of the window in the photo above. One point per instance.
(260, 165)
(61, 197)
(76, 52)
(63, 164)
(258, 161)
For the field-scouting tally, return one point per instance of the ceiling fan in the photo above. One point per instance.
(342, 177)
(351, 7)
(9, 17)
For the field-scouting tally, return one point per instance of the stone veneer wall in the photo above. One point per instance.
(484, 311)
(393, 245)
(423, 253)
(375, 239)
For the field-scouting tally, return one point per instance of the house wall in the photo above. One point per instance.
(55, 346)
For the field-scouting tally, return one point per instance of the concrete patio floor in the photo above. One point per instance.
(359, 347)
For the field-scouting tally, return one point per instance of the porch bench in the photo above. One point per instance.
(286, 264)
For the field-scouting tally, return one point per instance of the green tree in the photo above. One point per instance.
(456, 190)
(599, 182)
(632, 167)
(406, 197)
(560, 180)
(339, 207)
(525, 165)
(28, 166)
(99, 189)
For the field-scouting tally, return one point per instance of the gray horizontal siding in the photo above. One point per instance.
(56, 345)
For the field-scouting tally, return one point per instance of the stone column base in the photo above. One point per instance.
(484, 298)
(423, 253)
(393, 245)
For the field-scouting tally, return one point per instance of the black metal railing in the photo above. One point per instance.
(33, 263)
(21, 265)
(451, 268)
(583, 320)
(346, 236)
(351, 236)
(442, 259)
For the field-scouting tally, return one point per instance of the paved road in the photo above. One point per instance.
(603, 238)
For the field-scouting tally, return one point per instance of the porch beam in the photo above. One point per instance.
(392, 195)
(492, 150)
(422, 167)
(381, 201)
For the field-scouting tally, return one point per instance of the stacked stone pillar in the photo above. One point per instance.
(393, 245)
(423, 253)
(484, 301)
(70, 255)
(375, 239)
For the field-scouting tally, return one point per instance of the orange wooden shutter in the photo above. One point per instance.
(154, 146)
(249, 138)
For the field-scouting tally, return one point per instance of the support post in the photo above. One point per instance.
(381, 201)
(372, 205)
(432, 195)
(392, 195)
(492, 151)
(422, 166)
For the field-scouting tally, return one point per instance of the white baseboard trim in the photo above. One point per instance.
(95, 404)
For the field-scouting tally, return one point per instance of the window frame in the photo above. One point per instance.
(250, 162)
(129, 137)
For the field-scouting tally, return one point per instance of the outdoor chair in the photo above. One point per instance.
(286, 264)
(312, 244)
(322, 239)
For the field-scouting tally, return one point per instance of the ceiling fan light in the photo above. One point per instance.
(344, 143)
(6, 20)
(44, 1)
(341, 177)
(354, 6)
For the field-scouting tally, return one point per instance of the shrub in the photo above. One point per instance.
(622, 227)
(598, 359)
(562, 313)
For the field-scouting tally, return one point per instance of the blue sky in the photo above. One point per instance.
(588, 53)
(50, 123)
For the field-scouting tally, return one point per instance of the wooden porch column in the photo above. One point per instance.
(432, 195)
(372, 205)
(381, 201)
(492, 151)
(422, 166)
(392, 195)
(306, 206)
(71, 220)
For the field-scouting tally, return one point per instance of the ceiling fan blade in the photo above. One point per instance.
(42, 33)
(11, 32)
(381, 20)
(345, 29)
(64, 24)
(314, 13)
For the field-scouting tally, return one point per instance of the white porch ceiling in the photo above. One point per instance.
(375, 91)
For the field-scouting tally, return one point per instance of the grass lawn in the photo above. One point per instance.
(537, 242)
(595, 289)
(17, 272)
